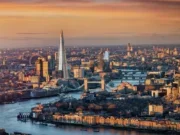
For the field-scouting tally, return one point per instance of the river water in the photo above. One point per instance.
(9, 121)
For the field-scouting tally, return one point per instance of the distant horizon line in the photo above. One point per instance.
(89, 46)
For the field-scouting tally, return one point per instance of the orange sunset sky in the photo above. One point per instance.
(28, 23)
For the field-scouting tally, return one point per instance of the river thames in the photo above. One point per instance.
(9, 121)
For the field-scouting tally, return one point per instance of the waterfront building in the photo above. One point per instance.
(125, 88)
(35, 80)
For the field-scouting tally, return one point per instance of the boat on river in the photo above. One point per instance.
(19, 133)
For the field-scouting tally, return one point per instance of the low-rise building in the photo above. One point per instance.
(155, 109)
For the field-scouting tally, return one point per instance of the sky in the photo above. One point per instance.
(31, 23)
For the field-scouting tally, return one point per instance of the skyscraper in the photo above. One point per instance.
(129, 50)
(62, 61)
(41, 67)
(51, 63)
(106, 55)
(100, 61)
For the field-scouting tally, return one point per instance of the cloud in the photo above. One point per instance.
(84, 20)
(22, 38)
(44, 1)
(31, 33)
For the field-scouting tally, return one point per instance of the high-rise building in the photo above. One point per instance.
(41, 67)
(51, 63)
(106, 55)
(129, 50)
(62, 61)
(4, 62)
(100, 61)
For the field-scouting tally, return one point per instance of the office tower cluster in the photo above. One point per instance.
(54, 66)
(103, 59)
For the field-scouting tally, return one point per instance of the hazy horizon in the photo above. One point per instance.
(32, 23)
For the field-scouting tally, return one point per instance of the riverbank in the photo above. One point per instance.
(87, 119)
(122, 128)
(162, 125)
(3, 132)
(102, 110)
(10, 111)
(15, 96)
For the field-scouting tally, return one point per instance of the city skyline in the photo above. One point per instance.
(89, 67)
(88, 22)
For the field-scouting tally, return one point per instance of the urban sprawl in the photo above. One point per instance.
(128, 86)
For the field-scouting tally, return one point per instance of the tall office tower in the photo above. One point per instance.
(129, 50)
(128, 47)
(4, 62)
(41, 67)
(62, 61)
(106, 55)
(100, 61)
(56, 56)
(51, 64)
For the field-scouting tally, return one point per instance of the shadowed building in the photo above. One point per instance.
(51, 64)
(41, 67)
(100, 61)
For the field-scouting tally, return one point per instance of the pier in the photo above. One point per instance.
(23, 115)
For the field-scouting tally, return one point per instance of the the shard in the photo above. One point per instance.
(62, 66)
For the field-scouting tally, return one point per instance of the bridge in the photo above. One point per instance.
(133, 78)
(86, 82)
